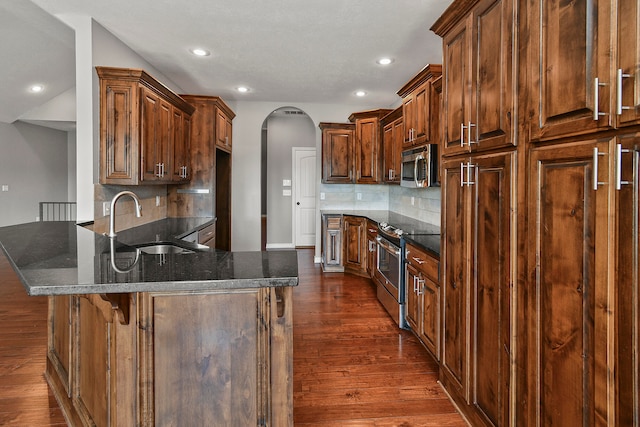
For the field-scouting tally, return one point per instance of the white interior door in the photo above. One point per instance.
(304, 196)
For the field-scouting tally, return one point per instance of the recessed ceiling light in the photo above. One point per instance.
(242, 89)
(200, 52)
(361, 93)
(36, 88)
(384, 61)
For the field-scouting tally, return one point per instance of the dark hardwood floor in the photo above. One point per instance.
(352, 365)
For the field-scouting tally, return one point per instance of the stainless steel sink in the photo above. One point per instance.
(163, 248)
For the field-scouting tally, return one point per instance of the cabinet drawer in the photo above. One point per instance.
(427, 264)
(206, 234)
(334, 222)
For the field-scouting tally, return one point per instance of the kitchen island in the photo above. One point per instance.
(200, 337)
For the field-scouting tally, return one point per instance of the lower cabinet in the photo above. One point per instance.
(355, 245)
(217, 357)
(423, 297)
(332, 243)
(476, 284)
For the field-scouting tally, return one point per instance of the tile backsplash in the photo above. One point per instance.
(126, 218)
(419, 203)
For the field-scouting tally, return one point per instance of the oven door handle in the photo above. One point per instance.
(388, 246)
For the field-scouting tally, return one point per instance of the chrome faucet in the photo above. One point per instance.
(112, 213)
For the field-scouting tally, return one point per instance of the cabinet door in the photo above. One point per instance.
(455, 89)
(569, 307)
(455, 276)
(409, 119)
(628, 52)
(367, 151)
(119, 153)
(490, 286)
(387, 144)
(430, 320)
(181, 170)
(492, 45)
(572, 49)
(156, 137)
(627, 208)
(223, 131)
(337, 155)
(398, 129)
(413, 315)
(355, 253)
(422, 114)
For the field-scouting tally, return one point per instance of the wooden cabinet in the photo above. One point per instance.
(207, 236)
(423, 297)
(372, 247)
(337, 152)
(570, 311)
(332, 243)
(591, 83)
(477, 274)
(392, 139)
(139, 141)
(478, 75)
(355, 245)
(223, 130)
(181, 147)
(216, 357)
(627, 298)
(368, 146)
(420, 108)
(209, 177)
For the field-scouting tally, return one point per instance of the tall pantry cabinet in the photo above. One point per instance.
(553, 199)
(478, 183)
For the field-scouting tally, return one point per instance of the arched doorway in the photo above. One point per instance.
(282, 130)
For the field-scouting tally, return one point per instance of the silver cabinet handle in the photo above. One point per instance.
(159, 167)
(596, 154)
(619, 105)
(468, 128)
(468, 167)
(418, 260)
(619, 181)
(596, 99)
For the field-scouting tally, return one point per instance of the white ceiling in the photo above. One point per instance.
(283, 50)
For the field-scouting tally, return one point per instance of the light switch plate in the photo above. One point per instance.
(5, 188)
(286, 183)
(286, 192)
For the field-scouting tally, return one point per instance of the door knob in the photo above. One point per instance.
(298, 203)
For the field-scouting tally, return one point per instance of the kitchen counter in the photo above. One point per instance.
(429, 242)
(62, 258)
(198, 338)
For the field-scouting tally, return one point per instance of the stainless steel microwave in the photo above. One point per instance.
(420, 167)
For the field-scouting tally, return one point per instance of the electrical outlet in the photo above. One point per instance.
(157, 200)
(359, 196)
(413, 200)
(322, 196)
(106, 208)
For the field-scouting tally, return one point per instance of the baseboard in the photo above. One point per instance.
(280, 246)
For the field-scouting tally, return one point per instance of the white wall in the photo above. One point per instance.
(283, 133)
(33, 163)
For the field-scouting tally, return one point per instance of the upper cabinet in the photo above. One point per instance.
(478, 79)
(223, 130)
(368, 146)
(392, 139)
(420, 108)
(337, 152)
(587, 84)
(144, 129)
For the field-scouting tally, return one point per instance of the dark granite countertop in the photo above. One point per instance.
(429, 242)
(59, 258)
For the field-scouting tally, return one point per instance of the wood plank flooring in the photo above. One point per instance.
(352, 365)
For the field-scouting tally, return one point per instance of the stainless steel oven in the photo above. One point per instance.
(389, 278)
